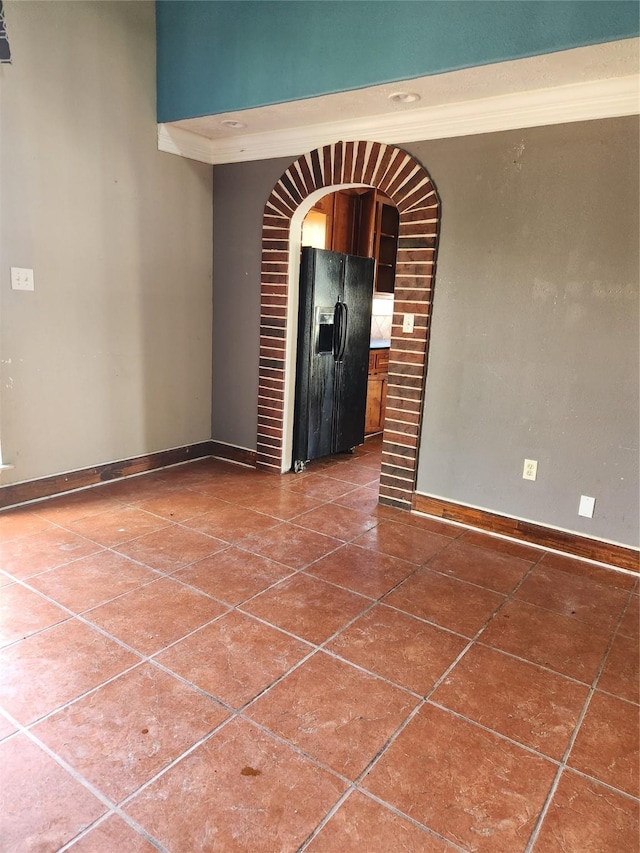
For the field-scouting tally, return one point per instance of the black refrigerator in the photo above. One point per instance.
(334, 329)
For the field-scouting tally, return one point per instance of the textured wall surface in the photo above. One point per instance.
(534, 349)
(110, 356)
(534, 344)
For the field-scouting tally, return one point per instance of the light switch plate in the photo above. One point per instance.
(21, 278)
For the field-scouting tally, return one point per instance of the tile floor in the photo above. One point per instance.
(210, 658)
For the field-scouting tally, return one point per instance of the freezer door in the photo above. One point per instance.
(321, 283)
(354, 332)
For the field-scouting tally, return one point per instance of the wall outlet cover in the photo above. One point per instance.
(530, 470)
(21, 278)
(407, 323)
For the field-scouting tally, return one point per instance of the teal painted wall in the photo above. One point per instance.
(216, 57)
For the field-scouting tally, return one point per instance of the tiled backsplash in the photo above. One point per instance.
(381, 318)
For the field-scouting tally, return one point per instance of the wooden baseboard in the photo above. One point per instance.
(525, 531)
(31, 490)
(233, 453)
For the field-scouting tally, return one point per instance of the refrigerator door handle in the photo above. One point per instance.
(343, 329)
(339, 331)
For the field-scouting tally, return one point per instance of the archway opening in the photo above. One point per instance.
(407, 184)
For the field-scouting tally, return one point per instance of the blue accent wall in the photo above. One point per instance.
(216, 57)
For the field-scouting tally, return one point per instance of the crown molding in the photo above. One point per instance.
(608, 98)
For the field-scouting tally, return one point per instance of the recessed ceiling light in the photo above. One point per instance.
(404, 97)
(234, 125)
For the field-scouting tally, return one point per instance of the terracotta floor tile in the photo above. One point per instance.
(307, 607)
(171, 549)
(363, 826)
(153, 616)
(289, 544)
(132, 490)
(230, 522)
(600, 574)
(480, 792)
(333, 712)
(75, 505)
(64, 806)
(528, 704)
(122, 734)
(607, 743)
(235, 658)
(6, 728)
(501, 546)
(180, 504)
(403, 541)
(356, 475)
(448, 602)
(398, 647)
(241, 790)
(620, 674)
(61, 663)
(337, 521)
(233, 575)
(321, 487)
(587, 818)
(630, 624)
(5, 580)
(414, 519)
(113, 834)
(279, 503)
(363, 499)
(561, 643)
(23, 612)
(15, 523)
(481, 566)
(234, 489)
(117, 525)
(92, 580)
(574, 595)
(30, 555)
(362, 570)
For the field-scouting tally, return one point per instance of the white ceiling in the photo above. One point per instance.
(599, 80)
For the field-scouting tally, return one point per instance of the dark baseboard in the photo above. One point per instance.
(233, 453)
(546, 537)
(31, 490)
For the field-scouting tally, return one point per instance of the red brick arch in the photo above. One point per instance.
(406, 182)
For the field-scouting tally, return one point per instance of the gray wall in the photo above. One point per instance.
(110, 356)
(534, 347)
(240, 193)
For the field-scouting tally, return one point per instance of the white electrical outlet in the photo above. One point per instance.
(587, 506)
(407, 323)
(530, 470)
(21, 278)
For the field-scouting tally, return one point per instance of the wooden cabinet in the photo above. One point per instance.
(385, 245)
(377, 390)
(362, 222)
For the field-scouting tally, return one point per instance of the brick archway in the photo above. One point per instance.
(406, 182)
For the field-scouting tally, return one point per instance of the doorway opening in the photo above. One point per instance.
(363, 221)
(405, 182)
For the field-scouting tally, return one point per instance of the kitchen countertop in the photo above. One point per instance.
(380, 343)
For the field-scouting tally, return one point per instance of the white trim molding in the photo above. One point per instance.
(596, 99)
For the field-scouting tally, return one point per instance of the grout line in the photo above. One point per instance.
(314, 649)
(565, 758)
(112, 807)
